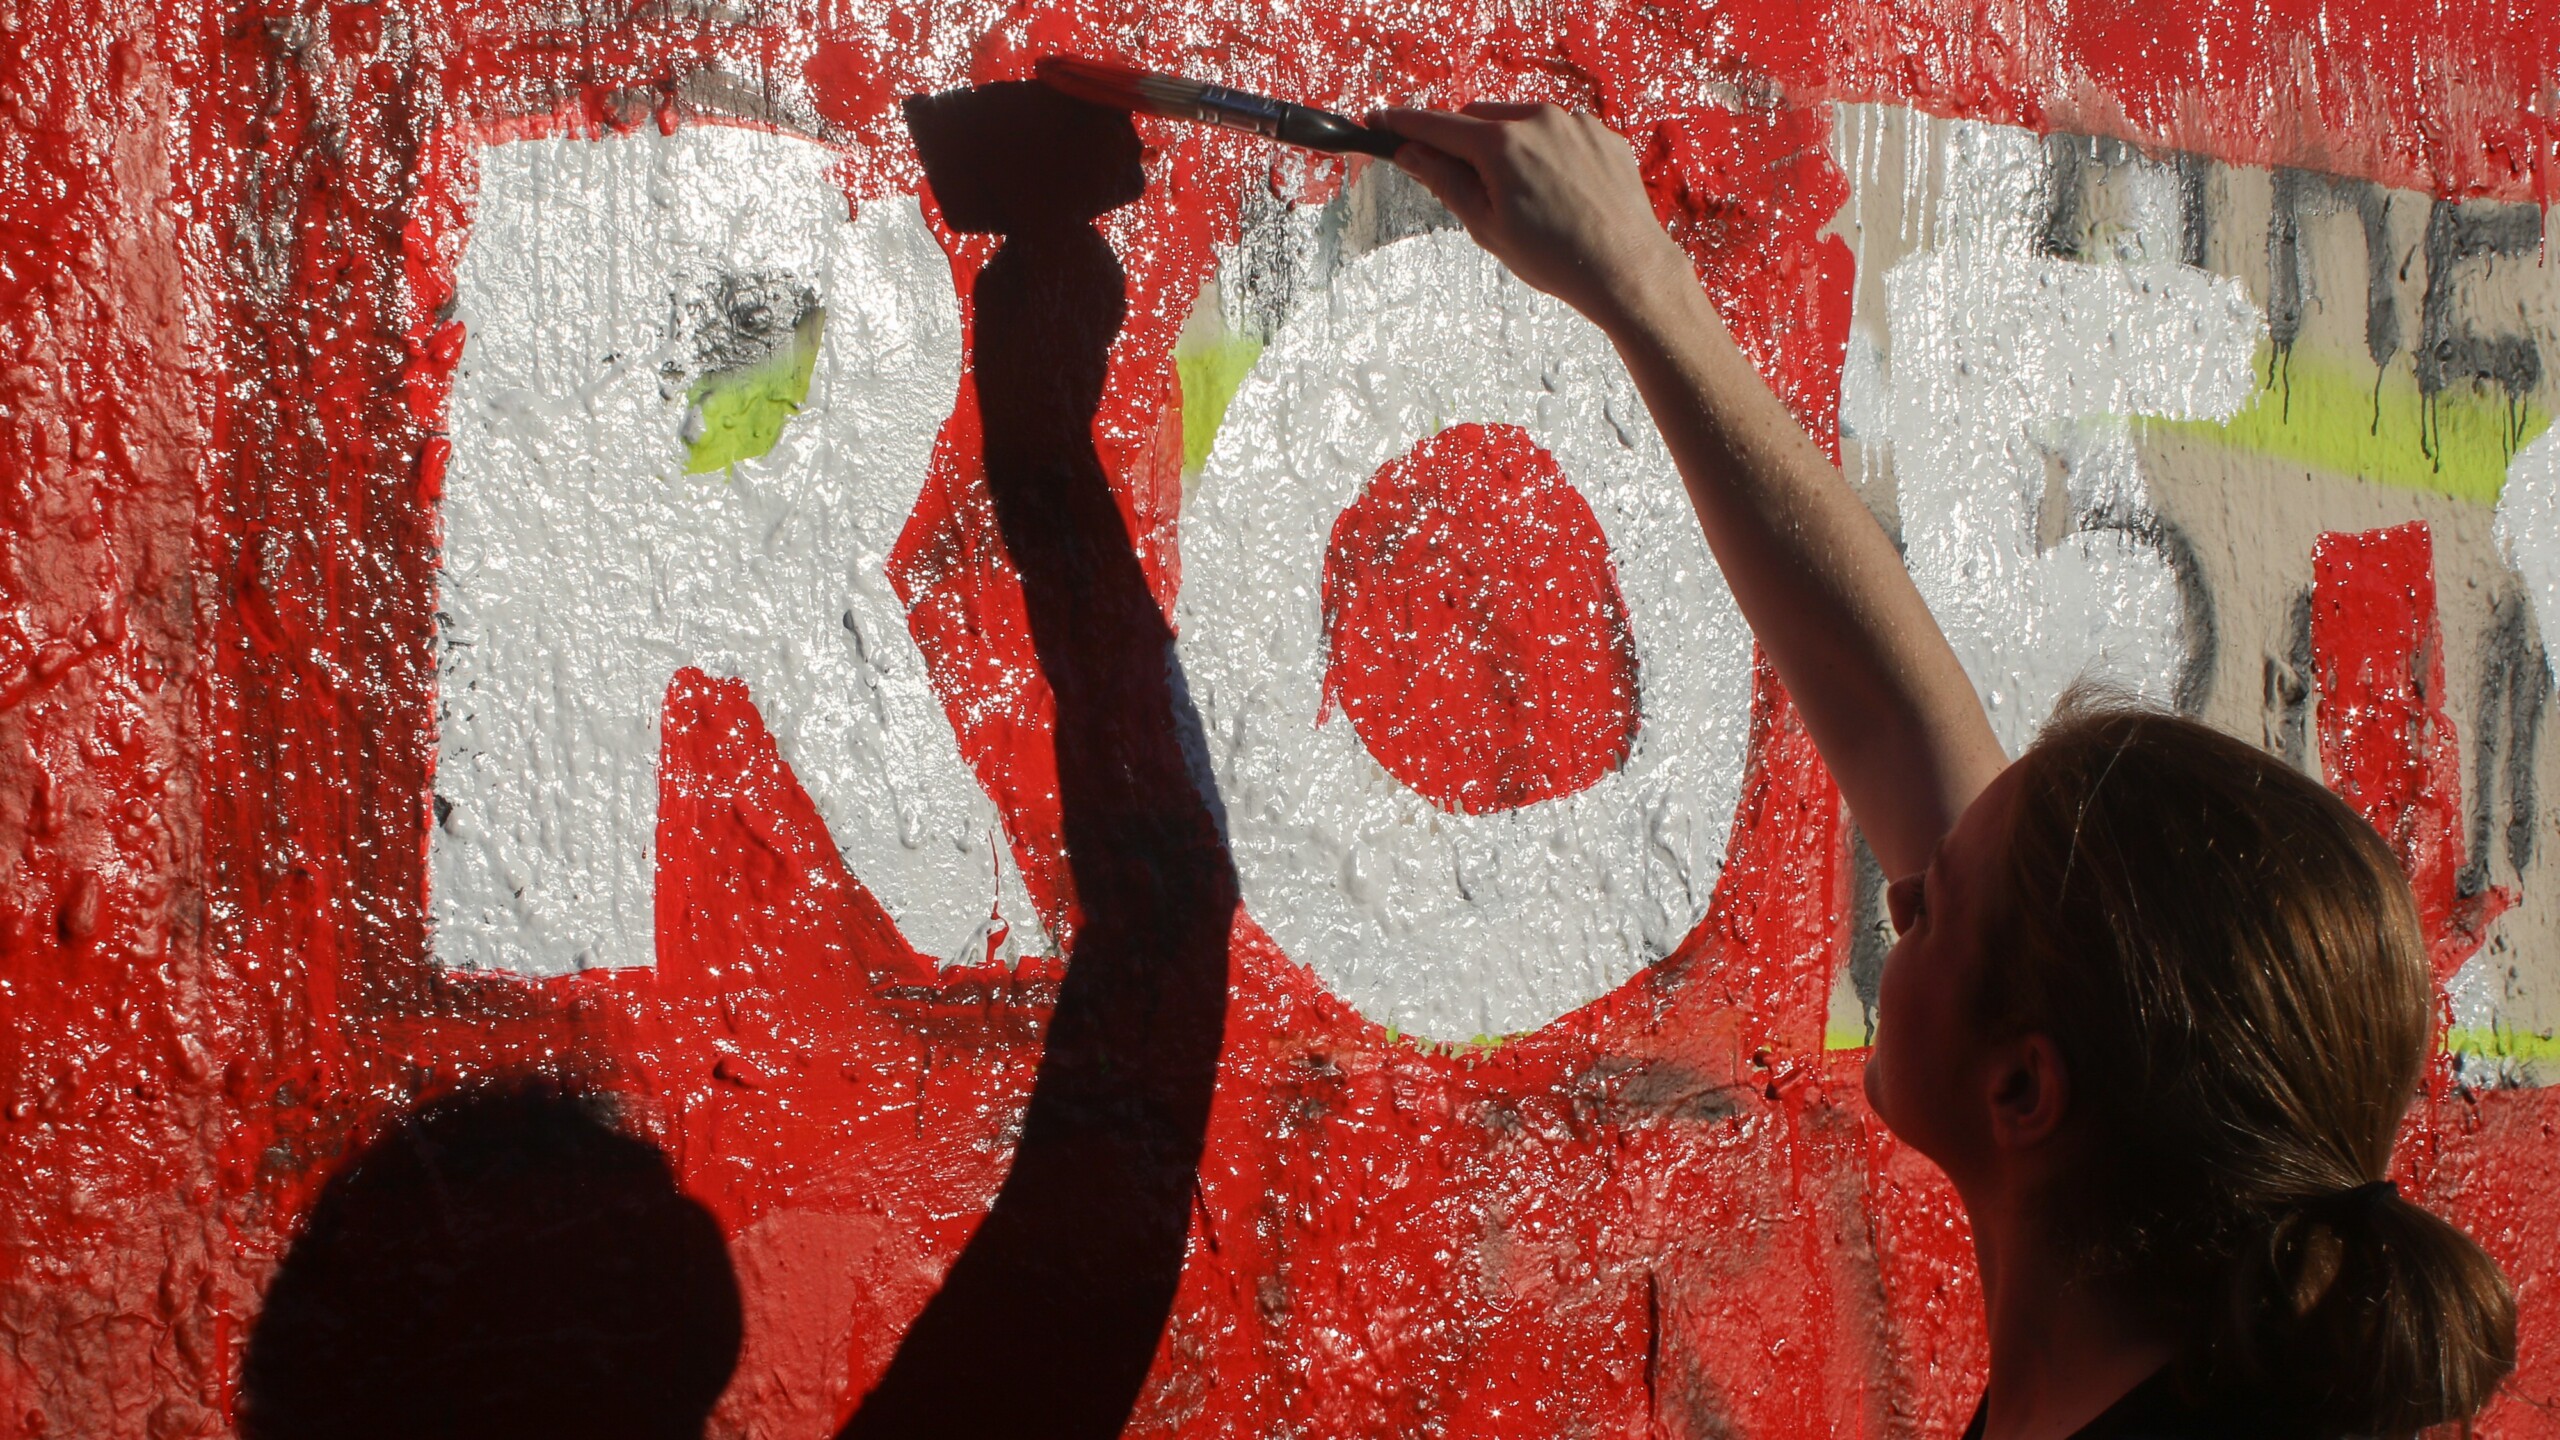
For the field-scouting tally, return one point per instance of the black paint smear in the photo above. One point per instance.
(2289, 680)
(2507, 739)
(1871, 934)
(2299, 194)
(2381, 303)
(2448, 350)
(2071, 163)
(504, 1263)
(2199, 624)
(2195, 216)
(1048, 1321)
(2064, 156)
(2199, 621)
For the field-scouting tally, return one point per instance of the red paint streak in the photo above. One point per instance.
(2487, 1160)
(1474, 631)
(1737, 190)
(2492, 1166)
(2343, 87)
(2386, 743)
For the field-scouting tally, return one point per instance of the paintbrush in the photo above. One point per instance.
(1178, 99)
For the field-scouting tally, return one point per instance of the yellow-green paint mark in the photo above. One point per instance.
(1475, 1048)
(739, 414)
(2332, 416)
(1848, 1025)
(2500, 1043)
(1209, 368)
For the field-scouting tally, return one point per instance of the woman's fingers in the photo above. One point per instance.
(1470, 138)
(1451, 181)
(1554, 195)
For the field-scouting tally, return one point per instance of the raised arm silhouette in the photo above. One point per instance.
(1047, 1323)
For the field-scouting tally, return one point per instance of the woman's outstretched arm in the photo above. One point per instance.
(1556, 196)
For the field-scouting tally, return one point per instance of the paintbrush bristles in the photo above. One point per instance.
(1171, 90)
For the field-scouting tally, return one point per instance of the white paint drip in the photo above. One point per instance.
(1446, 925)
(2010, 369)
(2528, 527)
(2491, 991)
(582, 567)
(2482, 997)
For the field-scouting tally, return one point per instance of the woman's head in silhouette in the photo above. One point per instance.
(503, 1262)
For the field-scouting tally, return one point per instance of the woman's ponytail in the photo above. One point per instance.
(2369, 1315)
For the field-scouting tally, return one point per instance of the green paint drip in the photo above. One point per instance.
(2326, 415)
(1209, 369)
(739, 414)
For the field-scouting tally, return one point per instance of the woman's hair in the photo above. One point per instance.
(2230, 963)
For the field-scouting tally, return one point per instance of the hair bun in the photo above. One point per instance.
(2370, 1314)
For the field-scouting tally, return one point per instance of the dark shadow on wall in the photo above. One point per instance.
(504, 1263)
(1050, 1317)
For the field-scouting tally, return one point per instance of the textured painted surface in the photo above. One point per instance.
(2014, 369)
(584, 561)
(1475, 634)
(249, 441)
(1451, 920)
(2163, 535)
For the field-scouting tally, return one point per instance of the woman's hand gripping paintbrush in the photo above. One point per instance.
(1553, 195)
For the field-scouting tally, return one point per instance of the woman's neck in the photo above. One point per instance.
(2063, 1347)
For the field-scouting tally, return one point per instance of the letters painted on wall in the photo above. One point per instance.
(863, 647)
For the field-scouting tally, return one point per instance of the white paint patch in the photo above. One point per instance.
(2494, 991)
(582, 567)
(2528, 527)
(1444, 925)
(2011, 371)
(2482, 997)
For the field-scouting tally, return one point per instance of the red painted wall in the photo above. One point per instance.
(228, 234)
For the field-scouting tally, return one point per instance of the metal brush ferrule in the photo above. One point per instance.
(1218, 105)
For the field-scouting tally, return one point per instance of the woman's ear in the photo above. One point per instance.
(2030, 1092)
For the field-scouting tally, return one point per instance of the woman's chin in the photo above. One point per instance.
(1873, 1080)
